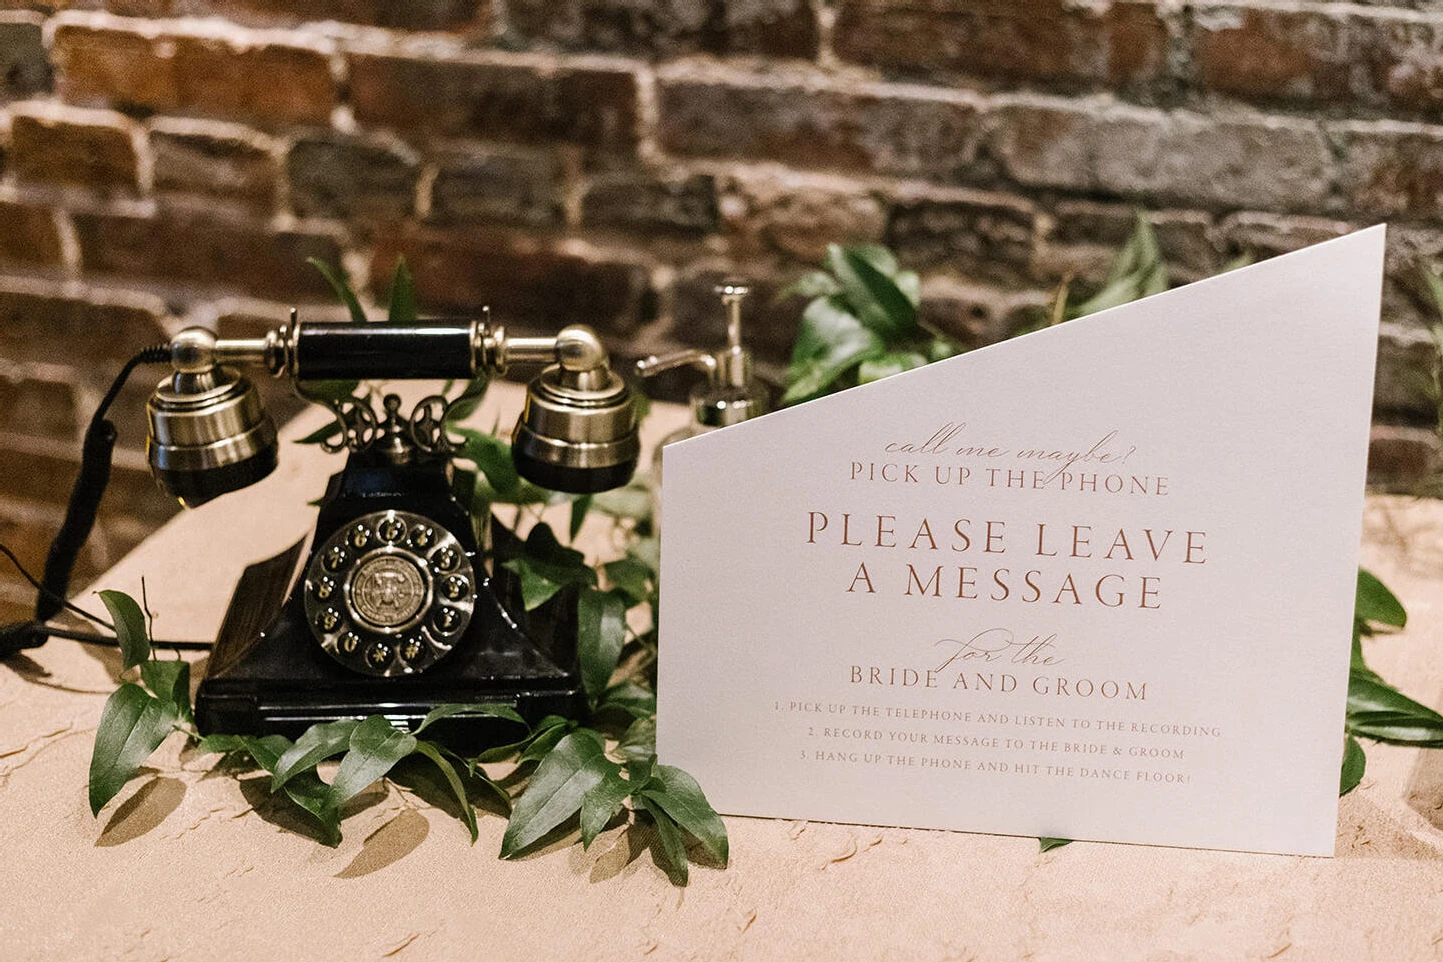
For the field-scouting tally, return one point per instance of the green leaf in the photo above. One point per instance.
(647, 551)
(1379, 711)
(872, 294)
(1358, 667)
(632, 500)
(265, 751)
(469, 399)
(485, 709)
(315, 745)
(639, 771)
(130, 631)
(630, 577)
(169, 682)
(314, 796)
(878, 256)
(681, 797)
(321, 392)
(1375, 603)
(132, 726)
(493, 457)
(1138, 271)
(574, 767)
(631, 698)
(811, 284)
(1354, 762)
(403, 294)
(639, 741)
(323, 433)
(306, 790)
(893, 362)
(375, 747)
(545, 739)
(831, 342)
(579, 508)
(342, 286)
(939, 349)
(1433, 279)
(453, 779)
(910, 285)
(600, 633)
(600, 804)
(546, 566)
(1048, 844)
(672, 847)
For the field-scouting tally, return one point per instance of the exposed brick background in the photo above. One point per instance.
(171, 162)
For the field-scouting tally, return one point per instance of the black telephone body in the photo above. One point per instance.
(398, 604)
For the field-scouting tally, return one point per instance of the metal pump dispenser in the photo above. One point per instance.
(730, 393)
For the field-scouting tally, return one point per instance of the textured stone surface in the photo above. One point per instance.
(505, 187)
(677, 204)
(234, 166)
(880, 130)
(83, 149)
(194, 74)
(342, 177)
(28, 233)
(1049, 42)
(525, 282)
(797, 216)
(777, 28)
(496, 100)
(185, 245)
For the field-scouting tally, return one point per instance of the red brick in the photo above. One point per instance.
(775, 28)
(875, 129)
(1050, 42)
(1321, 55)
(1393, 169)
(1403, 457)
(195, 246)
(462, 15)
(70, 149)
(40, 326)
(194, 74)
(513, 186)
(231, 167)
(768, 213)
(681, 204)
(981, 235)
(38, 407)
(1272, 163)
(1404, 356)
(28, 234)
(339, 176)
(24, 65)
(497, 100)
(526, 283)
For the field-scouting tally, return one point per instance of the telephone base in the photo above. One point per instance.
(267, 676)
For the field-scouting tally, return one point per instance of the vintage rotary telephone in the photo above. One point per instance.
(394, 609)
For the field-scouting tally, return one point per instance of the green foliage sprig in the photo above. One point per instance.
(861, 324)
(589, 772)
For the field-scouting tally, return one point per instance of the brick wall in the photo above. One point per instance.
(168, 162)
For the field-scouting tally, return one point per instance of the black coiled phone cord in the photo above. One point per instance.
(95, 459)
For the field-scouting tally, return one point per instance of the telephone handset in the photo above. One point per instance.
(393, 609)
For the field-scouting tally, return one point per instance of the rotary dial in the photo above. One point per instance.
(389, 594)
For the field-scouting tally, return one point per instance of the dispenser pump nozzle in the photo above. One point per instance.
(731, 393)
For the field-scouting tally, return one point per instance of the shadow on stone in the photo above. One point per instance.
(142, 812)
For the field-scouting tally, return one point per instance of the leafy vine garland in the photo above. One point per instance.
(862, 323)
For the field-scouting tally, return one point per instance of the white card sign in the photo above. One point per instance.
(1095, 582)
